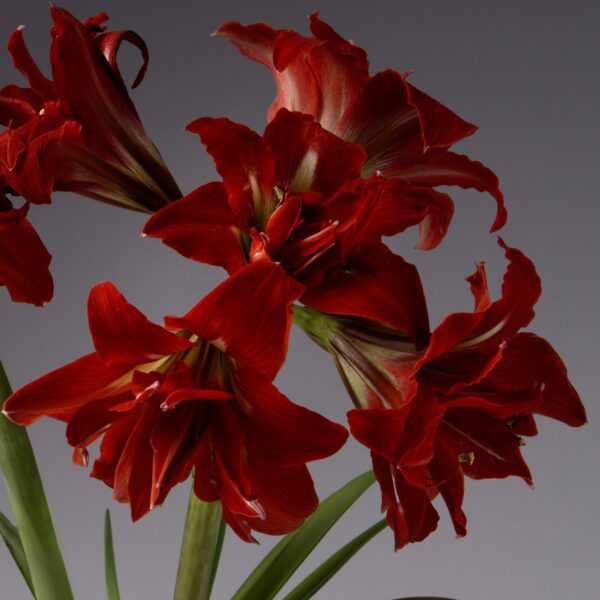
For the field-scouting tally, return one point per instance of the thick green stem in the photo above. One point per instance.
(26, 496)
(200, 550)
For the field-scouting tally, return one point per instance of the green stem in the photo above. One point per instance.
(200, 550)
(317, 325)
(26, 496)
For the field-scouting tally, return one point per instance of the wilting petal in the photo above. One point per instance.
(109, 43)
(376, 285)
(200, 226)
(122, 335)
(249, 316)
(59, 393)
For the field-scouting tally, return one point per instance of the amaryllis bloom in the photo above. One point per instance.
(24, 260)
(433, 408)
(296, 196)
(198, 396)
(78, 132)
(404, 132)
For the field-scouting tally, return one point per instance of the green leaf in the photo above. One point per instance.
(217, 555)
(10, 535)
(320, 576)
(110, 568)
(200, 550)
(30, 508)
(281, 563)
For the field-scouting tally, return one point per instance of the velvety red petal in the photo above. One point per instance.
(485, 329)
(109, 43)
(488, 447)
(445, 468)
(248, 173)
(63, 390)
(26, 65)
(376, 285)
(530, 362)
(291, 434)
(24, 264)
(309, 158)
(122, 335)
(440, 127)
(440, 167)
(400, 205)
(249, 316)
(200, 226)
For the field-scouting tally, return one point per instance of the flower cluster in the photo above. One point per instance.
(298, 221)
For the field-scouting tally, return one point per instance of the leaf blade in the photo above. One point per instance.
(274, 571)
(10, 535)
(311, 584)
(110, 567)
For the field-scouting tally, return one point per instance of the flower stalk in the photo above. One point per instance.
(26, 496)
(203, 535)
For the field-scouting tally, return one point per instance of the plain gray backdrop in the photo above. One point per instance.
(527, 74)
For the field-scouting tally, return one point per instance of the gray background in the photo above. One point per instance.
(527, 74)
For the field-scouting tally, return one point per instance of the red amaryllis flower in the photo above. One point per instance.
(433, 408)
(198, 395)
(78, 132)
(295, 195)
(24, 260)
(404, 132)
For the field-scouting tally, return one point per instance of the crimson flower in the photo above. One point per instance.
(197, 395)
(295, 195)
(435, 407)
(24, 260)
(78, 132)
(404, 132)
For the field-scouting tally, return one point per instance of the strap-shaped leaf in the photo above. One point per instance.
(281, 563)
(110, 568)
(322, 574)
(10, 535)
(25, 493)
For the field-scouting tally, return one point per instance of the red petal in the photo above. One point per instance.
(24, 263)
(439, 167)
(401, 205)
(109, 43)
(200, 226)
(309, 158)
(530, 362)
(440, 127)
(291, 434)
(26, 65)
(248, 173)
(485, 329)
(376, 285)
(445, 467)
(122, 335)
(490, 442)
(61, 392)
(249, 316)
